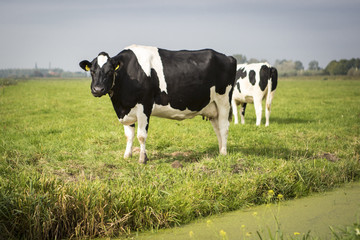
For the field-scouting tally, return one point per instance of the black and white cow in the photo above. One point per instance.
(254, 82)
(143, 81)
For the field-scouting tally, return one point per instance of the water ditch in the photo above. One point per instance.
(337, 208)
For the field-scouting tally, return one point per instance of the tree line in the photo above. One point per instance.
(284, 67)
(296, 68)
(39, 73)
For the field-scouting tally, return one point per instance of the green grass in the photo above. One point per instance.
(62, 174)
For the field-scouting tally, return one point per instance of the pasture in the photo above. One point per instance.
(62, 173)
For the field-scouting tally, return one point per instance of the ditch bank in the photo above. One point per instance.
(293, 218)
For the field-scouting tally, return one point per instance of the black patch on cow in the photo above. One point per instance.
(189, 76)
(238, 86)
(160, 97)
(252, 79)
(241, 73)
(264, 77)
(274, 78)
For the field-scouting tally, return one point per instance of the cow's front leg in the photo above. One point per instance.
(143, 123)
(130, 134)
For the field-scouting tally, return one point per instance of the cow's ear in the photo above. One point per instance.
(86, 65)
(118, 65)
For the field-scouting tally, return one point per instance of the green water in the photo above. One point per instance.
(316, 213)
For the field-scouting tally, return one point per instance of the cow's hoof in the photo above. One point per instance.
(143, 158)
(223, 151)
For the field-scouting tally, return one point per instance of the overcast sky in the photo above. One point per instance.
(65, 32)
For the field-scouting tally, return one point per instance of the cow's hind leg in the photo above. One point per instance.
(268, 108)
(235, 112)
(223, 120)
(215, 124)
(258, 110)
(129, 133)
(242, 112)
(221, 127)
(143, 123)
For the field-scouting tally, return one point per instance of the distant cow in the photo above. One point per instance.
(254, 82)
(143, 81)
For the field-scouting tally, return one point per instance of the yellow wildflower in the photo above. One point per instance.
(296, 233)
(280, 196)
(271, 192)
(191, 234)
(254, 214)
(248, 234)
(222, 233)
(208, 223)
(243, 226)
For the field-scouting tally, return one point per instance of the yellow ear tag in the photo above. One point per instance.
(117, 67)
(87, 68)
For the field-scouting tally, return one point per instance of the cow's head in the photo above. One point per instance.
(103, 72)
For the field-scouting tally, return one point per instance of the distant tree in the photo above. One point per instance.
(289, 67)
(342, 67)
(240, 58)
(279, 62)
(314, 65)
(299, 65)
(253, 60)
(353, 72)
(330, 68)
(285, 67)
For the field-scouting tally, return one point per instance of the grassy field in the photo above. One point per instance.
(62, 174)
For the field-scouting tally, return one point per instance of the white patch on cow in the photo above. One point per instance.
(149, 58)
(131, 117)
(209, 111)
(171, 113)
(102, 59)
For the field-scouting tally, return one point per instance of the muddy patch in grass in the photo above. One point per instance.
(329, 156)
(176, 164)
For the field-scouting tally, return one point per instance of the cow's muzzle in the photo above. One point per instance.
(98, 91)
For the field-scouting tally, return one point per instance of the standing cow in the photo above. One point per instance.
(254, 82)
(143, 81)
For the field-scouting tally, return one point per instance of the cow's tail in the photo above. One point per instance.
(271, 86)
(233, 64)
(230, 114)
